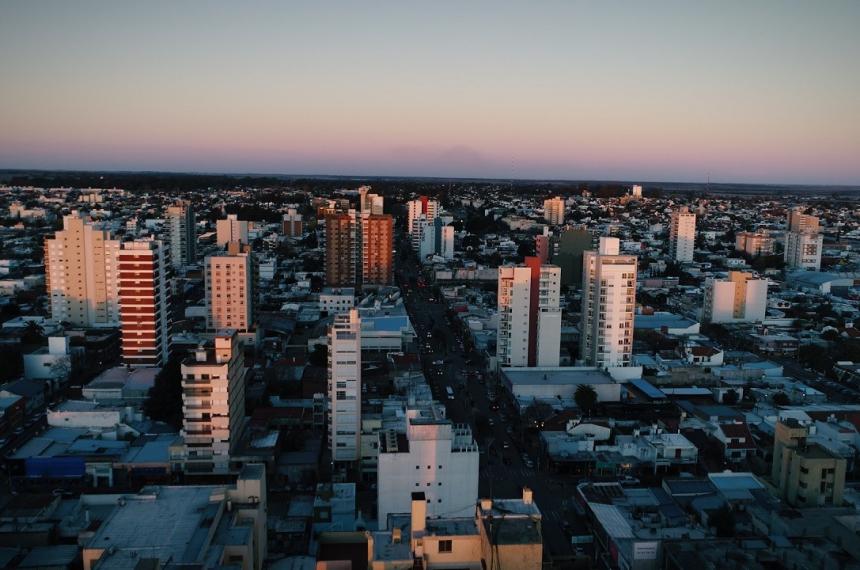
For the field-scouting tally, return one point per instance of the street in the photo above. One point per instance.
(508, 461)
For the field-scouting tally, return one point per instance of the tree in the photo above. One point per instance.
(730, 398)
(319, 356)
(722, 521)
(33, 333)
(536, 413)
(164, 401)
(781, 399)
(585, 397)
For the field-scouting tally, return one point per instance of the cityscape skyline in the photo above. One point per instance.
(672, 92)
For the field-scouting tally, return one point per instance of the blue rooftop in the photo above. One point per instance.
(648, 389)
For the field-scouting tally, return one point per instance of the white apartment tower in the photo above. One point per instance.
(181, 225)
(682, 235)
(529, 315)
(740, 298)
(230, 289)
(803, 242)
(608, 305)
(81, 274)
(231, 229)
(344, 387)
(213, 404)
(553, 211)
(422, 206)
(434, 457)
(144, 298)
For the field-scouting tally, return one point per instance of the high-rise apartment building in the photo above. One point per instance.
(737, 299)
(608, 305)
(435, 237)
(341, 249)
(553, 211)
(182, 234)
(754, 244)
(636, 192)
(144, 298)
(434, 456)
(81, 274)
(292, 223)
(682, 235)
(344, 387)
(529, 315)
(800, 222)
(370, 203)
(423, 206)
(230, 289)
(803, 242)
(213, 404)
(805, 473)
(803, 250)
(377, 249)
(231, 229)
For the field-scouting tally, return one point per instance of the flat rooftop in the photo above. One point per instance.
(557, 375)
(167, 525)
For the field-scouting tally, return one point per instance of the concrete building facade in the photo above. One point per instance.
(805, 473)
(182, 234)
(340, 250)
(213, 404)
(740, 298)
(231, 229)
(435, 457)
(553, 211)
(377, 249)
(529, 315)
(344, 387)
(608, 305)
(682, 235)
(81, 274)
(144, 295)
(230, 289)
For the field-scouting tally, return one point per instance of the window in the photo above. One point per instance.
(446, 546)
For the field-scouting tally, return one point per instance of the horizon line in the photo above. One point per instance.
(418, 177)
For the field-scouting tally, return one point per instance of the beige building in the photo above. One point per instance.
(805, 473)
(803, 241)
(213, 404)
(501, 534)
(370, 203)
(754, 244)
(738, 298)
(182, 234)
(682, 235)
(144, 295)
(81, 274)
(231, 229)
(230, 289)
(553, 211)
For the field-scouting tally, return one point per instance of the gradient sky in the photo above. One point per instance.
(754, 91)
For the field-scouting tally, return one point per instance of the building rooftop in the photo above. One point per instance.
(167, 523)
(557, 375)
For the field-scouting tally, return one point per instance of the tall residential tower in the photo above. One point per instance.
(529, 314)
(608, 304)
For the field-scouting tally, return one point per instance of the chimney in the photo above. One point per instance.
(527, 496)
(419, 513)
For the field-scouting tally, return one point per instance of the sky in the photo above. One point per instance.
(735, 90)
